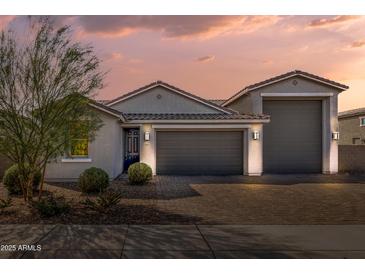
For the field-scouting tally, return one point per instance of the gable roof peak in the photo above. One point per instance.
(173, 89)
(282, 77)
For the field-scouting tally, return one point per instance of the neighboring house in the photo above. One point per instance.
(352, 127)
(281, 125)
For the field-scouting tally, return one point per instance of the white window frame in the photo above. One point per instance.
(361, 118)
(76, 160)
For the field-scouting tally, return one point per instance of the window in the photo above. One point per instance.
(356, 141)
(362, 121)
(79, 146)
(133, 142)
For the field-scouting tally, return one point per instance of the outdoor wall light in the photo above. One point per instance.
(146, 136)
(335, 135)
(256, 135)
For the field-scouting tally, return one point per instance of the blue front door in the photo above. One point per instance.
(131, 147)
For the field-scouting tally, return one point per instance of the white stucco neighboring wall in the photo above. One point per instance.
(105, 152)
(254, 151)
(148, 148)
(330, 146)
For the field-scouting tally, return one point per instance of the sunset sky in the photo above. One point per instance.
(215, 56)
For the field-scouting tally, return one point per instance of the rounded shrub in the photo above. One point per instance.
(93, 180)
(139, 173)
(12, 182)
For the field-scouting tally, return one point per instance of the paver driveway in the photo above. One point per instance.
(289, 199)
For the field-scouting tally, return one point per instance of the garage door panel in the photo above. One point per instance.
(293, 138)
(199, 153)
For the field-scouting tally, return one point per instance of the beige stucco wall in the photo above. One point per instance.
(350, 128)
(105, 152)
(162, 100)
(242, 104)
(303, 89)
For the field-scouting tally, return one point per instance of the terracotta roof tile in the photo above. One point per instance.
(193, 116)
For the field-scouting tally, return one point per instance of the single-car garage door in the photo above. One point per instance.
(293, 138)
(199, 153)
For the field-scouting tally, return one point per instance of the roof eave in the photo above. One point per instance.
(105, 110)
(328, 83)
(235, 97)
(351, 115)
(233, 121)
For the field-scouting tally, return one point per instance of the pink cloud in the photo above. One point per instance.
(324, 22)
(112, 56)
(115, 56)
(205, 59)
(268, 62)
(174, 26)
(358, 44)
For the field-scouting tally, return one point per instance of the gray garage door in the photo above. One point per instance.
(199, 153)
(292, 140)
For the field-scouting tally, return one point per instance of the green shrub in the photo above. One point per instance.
(52, 206)
(104, 202)
(12, 183)
(93, 180)
(4, 203)
(139, 173)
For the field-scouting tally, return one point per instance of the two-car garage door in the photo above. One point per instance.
(293, 138)
(199, 152)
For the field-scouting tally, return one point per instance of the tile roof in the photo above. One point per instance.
(125, 117)
(297, 72)
(217, 101)
(247, 89)
(352, 112)
(158, 82)
(102, 101)
(192, 116)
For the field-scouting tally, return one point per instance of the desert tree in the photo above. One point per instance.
(46, 84)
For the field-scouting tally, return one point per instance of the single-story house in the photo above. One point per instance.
(285, 124)
(352, 127)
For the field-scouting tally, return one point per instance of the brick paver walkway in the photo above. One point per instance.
(290, 199)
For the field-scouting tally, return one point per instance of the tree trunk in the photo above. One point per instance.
(41, 184)
(29, 185)
(30, 190)
(24, 191)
